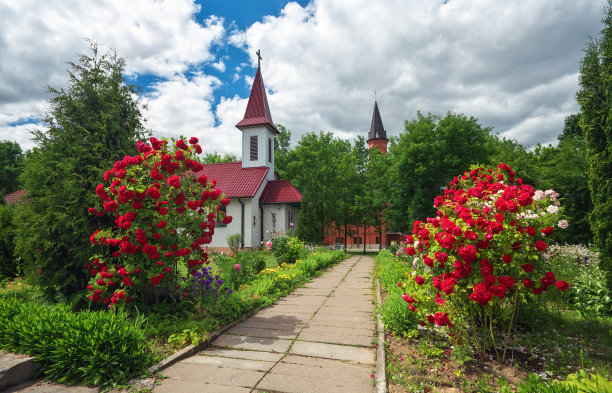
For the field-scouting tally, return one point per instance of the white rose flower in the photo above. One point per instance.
(539, 195)
(552, 209)
(563, 224)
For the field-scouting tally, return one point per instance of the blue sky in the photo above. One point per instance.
(238, 15)
(513, 65)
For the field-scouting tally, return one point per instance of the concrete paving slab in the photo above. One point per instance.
(340, 302)
(278, 319)
(353, 331)
(336, 338)
(281, 317)
(353, 325)
(311, 291)
(325, 368)
(348, 319)
(174, 386)
(261, 324)
(333, 351)
(41, 386)
(341, 310)
(311, 384)
(259, 332)
(183, 376)
(293, 308)
(16, 368)
(242, 354)
(253, 343)
(242, 364)
(303, 300)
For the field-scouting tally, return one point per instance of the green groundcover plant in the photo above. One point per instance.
(481, 256)
(88, 348)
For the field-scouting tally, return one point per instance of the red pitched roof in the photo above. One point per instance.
(234, 180)
(280, 191)
(15, 197)
(257, 111)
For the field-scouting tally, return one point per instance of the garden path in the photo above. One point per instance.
(317, 339)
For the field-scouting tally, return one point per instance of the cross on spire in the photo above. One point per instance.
(258, 57)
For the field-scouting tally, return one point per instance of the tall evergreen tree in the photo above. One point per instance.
(11, 158)
(91, 124)
(595, 100)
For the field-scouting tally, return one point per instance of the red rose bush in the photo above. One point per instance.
(163, 214)
(481, 255)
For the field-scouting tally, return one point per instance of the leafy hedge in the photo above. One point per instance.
(89, 348)
(394, 310)
(275, 282)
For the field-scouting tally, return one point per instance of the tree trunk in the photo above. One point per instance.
(365, 229)
(345, 235)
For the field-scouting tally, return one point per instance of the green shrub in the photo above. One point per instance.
(90, 348)
(8, 262)
(287, 249)
(587, 293)
(233, 241)
(250, 263)
(580, 382)
(394, 310)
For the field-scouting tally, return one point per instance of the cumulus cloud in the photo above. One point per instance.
(511, 64)
(37, 38)
(514, 65)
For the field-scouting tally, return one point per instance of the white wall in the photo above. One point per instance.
(281, 212)
(222, 232)
(263, 134)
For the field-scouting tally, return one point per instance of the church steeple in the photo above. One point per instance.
(377, 135)
(257, 111)
(258, 129)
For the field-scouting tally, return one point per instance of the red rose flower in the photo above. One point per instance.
(540, 245)
(506, 258)
(419, 280)
(562, 285)
(528, 267)
(153, 193)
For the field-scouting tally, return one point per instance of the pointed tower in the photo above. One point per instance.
(257, 128)
(377, 135)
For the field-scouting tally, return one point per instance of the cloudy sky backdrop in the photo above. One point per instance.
(514, 65)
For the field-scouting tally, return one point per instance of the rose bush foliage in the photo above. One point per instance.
(480, 256)
(163, 213)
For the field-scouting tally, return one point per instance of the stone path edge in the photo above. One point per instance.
(193, 349)
(381, 366)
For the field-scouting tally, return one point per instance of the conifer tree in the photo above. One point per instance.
(93, 122)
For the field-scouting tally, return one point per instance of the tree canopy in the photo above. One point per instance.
(426, 156)
(11, 158)
(93, 122)
(594, 99)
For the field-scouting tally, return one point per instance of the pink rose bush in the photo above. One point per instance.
(163, 216)
(481, 255)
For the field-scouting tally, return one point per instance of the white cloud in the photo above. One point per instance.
(512, 64)
(161, 38)
(184, 107)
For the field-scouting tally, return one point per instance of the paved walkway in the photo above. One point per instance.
(317, 339)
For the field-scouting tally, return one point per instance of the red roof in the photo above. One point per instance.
(280, 191)
(234, 180)
(15, 197)
(257, 111)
